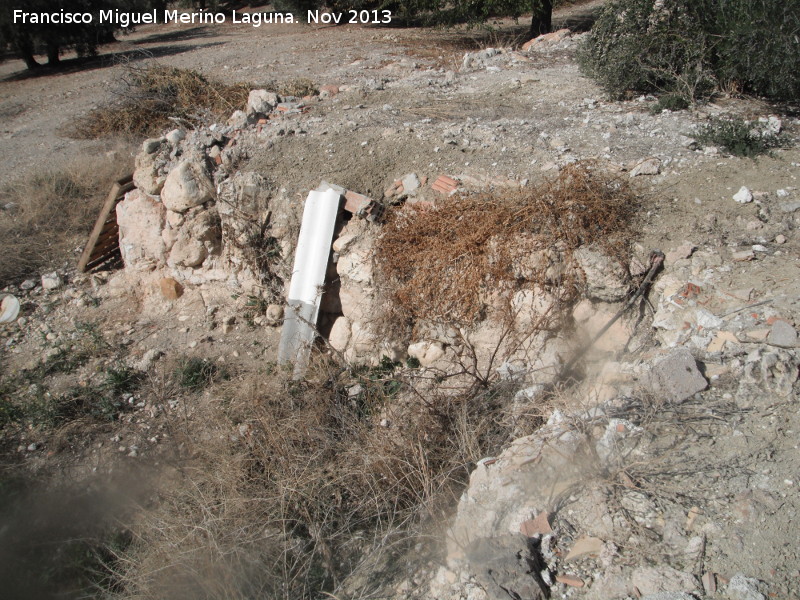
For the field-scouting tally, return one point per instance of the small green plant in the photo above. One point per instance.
(123, 380)
(671, 102)
(43, 410)
(28, 400)
(196, 373)
(9, 412)
(377, 385)
(739, 137)
(255, 306)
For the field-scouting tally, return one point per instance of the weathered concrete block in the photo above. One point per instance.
(676, 376)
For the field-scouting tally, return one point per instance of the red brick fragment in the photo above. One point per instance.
(570, 580)
(444, 184)
(355, 202)
(538, 526)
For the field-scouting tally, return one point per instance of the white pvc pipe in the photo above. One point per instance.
(308, 277)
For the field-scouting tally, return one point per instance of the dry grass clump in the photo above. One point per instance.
(299, 87)
(447, 262)
(151, 96)
(295, 486)
(47, 214)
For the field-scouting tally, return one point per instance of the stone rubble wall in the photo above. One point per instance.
(196, 219)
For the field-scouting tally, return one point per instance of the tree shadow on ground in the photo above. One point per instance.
(577, 20)
(179, 35)
(76, 65)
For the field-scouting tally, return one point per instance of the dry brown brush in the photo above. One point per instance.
(153, 97)
(446, 263)
(294, 486)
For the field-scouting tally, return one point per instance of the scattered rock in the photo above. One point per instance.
(52, 281)
(505, 568)
(538, 526)
(141, 220)
(187, 252)
(170, 289)
(261, 102)
(546, 40)
(175, 137)
(410, 184)
(744, 588)
(669, 596)
(152, 145)
(685, 250)
(709, 582)
(585, 546)
(663, 579)
(570, 580)
(743, 256)
(743, 196)
(649, 166)
(148, 175)
(328, 91)
(339, 336)
(676, 376)
(148, 359)
(782, 335)
(274, 314)
(427, 353)
(238, 119)
(605, 278)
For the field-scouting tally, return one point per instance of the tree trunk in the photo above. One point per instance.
(25, 48)
(52, 52)
(542, 19)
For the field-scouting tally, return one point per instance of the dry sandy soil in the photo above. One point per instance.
(409, 103)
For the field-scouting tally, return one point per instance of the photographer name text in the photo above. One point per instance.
(256, 19)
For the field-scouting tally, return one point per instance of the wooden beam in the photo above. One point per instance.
(103, 226)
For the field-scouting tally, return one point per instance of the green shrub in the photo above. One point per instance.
(690, 48)
(740, 138)
(758, 47)
(634, 46)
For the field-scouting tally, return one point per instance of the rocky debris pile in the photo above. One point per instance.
(574, 510)
(496, 59)
(196, 218)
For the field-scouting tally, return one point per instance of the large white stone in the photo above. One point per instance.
(187, 252)
(186, 186)
(743, 196)
(606, 279)
(340, 334)
(146, 175)
(141, 221)
(261, 101)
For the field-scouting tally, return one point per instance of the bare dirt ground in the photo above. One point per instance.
(409, 102)
(36, 107)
